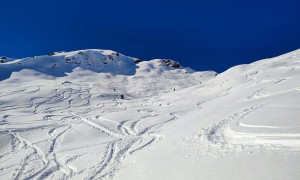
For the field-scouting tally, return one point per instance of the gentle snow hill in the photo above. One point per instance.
(98, 114)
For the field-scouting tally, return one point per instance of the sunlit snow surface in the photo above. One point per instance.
(62, 117)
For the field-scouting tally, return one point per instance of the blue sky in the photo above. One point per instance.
(204, 35)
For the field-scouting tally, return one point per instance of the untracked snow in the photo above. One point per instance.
(98, 114)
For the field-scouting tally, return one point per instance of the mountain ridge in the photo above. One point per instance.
(97, 60)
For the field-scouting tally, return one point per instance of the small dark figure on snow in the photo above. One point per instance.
(122, 96)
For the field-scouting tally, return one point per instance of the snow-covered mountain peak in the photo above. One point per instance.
(58, 64)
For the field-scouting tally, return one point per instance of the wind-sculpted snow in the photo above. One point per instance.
(148, 120)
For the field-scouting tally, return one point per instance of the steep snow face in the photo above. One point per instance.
(125, 119)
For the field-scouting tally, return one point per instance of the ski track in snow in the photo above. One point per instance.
(59, 104)
(77, 128)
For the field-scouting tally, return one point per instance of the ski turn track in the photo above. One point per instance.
(97, 114)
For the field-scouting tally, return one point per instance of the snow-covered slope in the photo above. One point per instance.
(98, 114)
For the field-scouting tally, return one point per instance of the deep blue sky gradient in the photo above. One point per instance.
(204, 35)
